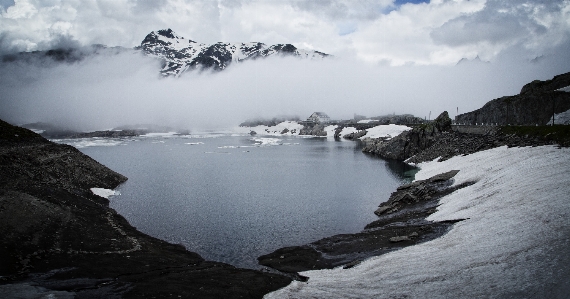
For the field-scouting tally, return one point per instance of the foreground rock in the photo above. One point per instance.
(401, 223)
(59, 239)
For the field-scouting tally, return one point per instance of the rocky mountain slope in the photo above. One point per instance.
(180, 54)
(534, 105)
(59, 240)
(177, 53)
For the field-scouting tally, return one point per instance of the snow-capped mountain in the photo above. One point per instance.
(180, 54)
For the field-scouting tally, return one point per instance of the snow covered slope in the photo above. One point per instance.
(514, 243)
(181, 54)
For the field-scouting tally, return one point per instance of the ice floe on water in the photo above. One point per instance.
(260, 142)
(161, 135)
(267, 141)
(106, 193)
(89, 142)
(194, 143)
(514, 242)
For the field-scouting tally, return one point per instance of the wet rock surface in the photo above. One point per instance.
(59, 239)
(401, 223)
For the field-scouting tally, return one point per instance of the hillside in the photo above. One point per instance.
(534, 105)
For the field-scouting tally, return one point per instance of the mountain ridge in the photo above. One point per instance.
(180, 54)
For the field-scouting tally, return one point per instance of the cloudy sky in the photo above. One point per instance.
(379, 31)
(391, 55)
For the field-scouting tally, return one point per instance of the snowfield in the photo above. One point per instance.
(514, 243)
(385, 131)
(294, 128)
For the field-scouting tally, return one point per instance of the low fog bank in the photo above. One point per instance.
(104, 92)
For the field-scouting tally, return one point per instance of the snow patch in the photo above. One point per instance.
(291, 127)
(385, 131)
(348, 130)
(513, 244)
(106, 193)
(561, 118)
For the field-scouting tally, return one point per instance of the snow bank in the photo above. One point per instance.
(106, 193)
(293, 128)
(515, 242)
(562, 118)
(348, 130)
(385, 131)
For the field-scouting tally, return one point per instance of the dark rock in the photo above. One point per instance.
(534, 105)
(442, 123)
(399, 239)
(410, 143)
(314, 130)
(58, 235)
(356, 135)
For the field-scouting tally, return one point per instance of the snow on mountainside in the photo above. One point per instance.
(180, 54)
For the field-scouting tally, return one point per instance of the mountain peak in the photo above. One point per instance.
(180, 54)
(167, 33)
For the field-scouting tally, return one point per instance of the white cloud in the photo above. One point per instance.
(103, 92)
(378, 31)
(22, 9)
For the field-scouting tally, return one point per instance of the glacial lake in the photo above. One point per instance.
(234, 198)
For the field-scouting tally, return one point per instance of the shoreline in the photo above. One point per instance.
(60, 239)
(405, 205)
(495, 243)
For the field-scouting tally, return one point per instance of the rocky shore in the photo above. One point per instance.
(401, 223)
(440, 140)
(402, 218)
(60, 240)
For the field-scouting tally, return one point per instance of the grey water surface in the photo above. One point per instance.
(234, 198)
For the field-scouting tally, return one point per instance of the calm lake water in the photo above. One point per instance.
(234, 198)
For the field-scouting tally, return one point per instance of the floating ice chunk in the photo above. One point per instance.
(267, 141)
(169, 134)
